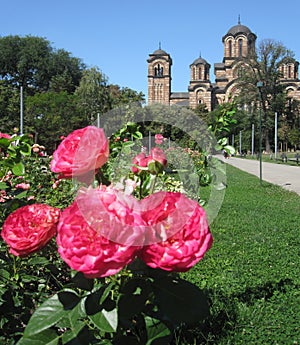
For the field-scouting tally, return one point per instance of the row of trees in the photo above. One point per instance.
(60, 92)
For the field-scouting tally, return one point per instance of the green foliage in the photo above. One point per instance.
(51, 115)
(32, 62)
(125, 309)
(251, 275)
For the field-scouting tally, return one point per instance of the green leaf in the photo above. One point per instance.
(82, 282)
(46, 337)
(25, 149)
(106, 321)
(3, 185)
(229, 149)
(18, 169)
(21, 195)
(157, 330)
(47, 315)
(73, 332)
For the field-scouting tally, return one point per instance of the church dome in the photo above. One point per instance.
(199, 61)
(159, 52)
(239, 29)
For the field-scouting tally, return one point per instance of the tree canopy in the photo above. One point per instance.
(60, 93)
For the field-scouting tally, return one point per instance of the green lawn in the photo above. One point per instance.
(251, 275)
(271, 159)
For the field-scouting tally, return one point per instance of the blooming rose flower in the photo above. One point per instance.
(95, 233)
(82, 151)
(181, 229)
(4, 135)
(30, 228)
(140, 160)
(23, 185)
(159, 139)
(157, 155)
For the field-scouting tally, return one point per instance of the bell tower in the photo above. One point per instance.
(159, 77)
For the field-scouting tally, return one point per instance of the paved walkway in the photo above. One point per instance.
(286, 176)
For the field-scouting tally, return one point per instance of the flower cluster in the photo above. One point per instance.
(105, 229)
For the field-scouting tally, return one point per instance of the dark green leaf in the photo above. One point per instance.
(180, 301)
(73, 332)
(156, 330)
(46, 337)
(47, 315)
(82, 282)
(106, 321)
(69, 299)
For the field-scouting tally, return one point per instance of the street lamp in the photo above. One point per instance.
(21, 110)
(260, 85)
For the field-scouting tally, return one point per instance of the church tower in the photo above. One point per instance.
(159, 77)
(200, 86)
(239, 43)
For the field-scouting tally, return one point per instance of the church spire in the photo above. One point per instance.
(239, 20)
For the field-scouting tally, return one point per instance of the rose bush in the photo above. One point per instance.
(30, 228)
(125, 240)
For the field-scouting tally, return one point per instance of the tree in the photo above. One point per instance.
(125, 95)
(93, 93)
(51, 115)
(264, 66)
(32, 62)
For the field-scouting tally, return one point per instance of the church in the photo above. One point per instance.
(238, 43)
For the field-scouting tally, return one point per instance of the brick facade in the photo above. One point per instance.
(238, 42)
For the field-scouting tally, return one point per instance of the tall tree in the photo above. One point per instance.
(50, 115)
(94, 95)
(125, 95)
(32, 62)
(264, 66)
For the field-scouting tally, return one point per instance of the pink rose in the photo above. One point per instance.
(140, 160)
(23, 185)
(83, 151)
(97, 234)
(181, 229)
(4, 135)
(159, 139)
(30, 228)
(157, 155)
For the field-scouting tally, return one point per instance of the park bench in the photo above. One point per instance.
(284, 158)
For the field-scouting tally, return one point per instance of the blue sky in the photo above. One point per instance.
(117, 36)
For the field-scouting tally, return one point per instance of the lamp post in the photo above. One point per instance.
(260, 85)
(21, 110)
(276, 134)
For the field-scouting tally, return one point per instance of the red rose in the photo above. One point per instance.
(181, 231)
(30, 228)
(82, 151)
(98, 233)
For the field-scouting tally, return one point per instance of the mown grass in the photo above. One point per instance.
(251, 275)
(271, 159)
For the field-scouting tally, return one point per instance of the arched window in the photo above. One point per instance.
(289, 71)
(240, 47)
(200, 73)
(230, 48)
(158, 71)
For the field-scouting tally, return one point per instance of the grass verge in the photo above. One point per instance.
(251, 275)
